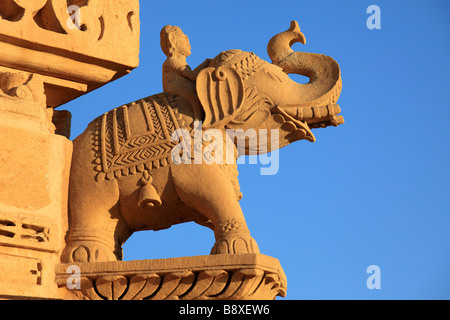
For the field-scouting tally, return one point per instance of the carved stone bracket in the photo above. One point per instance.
(214, 277)
(76, 45)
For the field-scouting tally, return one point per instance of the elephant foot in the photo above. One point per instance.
(87, 252)
(88, 245)
(235, 243)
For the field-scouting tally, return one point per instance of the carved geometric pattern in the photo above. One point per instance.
(121, 151)
(245, 63)
(249, 65)
(23, 231)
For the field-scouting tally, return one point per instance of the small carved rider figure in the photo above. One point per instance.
(178, 78)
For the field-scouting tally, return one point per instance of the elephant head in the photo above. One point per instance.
(240, 90)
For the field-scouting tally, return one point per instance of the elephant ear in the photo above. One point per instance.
(221, 94)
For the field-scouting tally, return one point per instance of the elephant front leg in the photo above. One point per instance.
(233, 236)
(209, 191)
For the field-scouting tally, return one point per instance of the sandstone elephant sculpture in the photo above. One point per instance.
(123, 176)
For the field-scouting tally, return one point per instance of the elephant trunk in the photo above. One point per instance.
(279, 46)
(324, 72)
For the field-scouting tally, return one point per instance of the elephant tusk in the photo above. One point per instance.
(279, 47)
(314, 117)
(334, 121)
(311, 114)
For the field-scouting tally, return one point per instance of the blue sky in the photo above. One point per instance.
(373, 191)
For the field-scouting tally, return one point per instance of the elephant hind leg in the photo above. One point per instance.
(88, 245)
(97, 231)
(209, 191)
(94, 245)
(96, 225)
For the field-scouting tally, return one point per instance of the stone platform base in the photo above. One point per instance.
(213, 277)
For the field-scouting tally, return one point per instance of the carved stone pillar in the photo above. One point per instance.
(34, 174)
(51, 52)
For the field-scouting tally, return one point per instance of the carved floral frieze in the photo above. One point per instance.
(218, 277)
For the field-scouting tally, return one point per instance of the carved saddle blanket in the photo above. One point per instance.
(135, 137)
